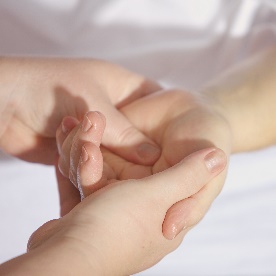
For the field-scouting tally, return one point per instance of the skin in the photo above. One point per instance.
(237, 99)
(244, 96)
(84, 238)
(186, 125)
(36, 94)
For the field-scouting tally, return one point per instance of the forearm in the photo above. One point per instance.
(246, 97)
(11, 74)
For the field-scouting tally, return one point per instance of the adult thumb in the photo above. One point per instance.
(127, 141)
(185, 178)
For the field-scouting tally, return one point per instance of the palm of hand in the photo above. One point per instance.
(179, 122)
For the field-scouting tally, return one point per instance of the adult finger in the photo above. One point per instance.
(121, 137)
(125, 140)
(185, 178)
(188, 212)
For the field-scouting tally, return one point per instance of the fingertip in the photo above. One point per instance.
(68, 123)
(127, 141)
(148, 153)
(144, 153)
(215, 160)
(184, 179)
(90, 168)
(178, 218)
(101, 115)
(187, 212)
(92, 129)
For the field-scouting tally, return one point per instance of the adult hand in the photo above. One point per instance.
(180, 123)
(118, 229)
(37, 93)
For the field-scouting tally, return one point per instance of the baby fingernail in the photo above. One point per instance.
(86, 124)
(215, 160)
(147, 151)
(84, 155)
(67, 124)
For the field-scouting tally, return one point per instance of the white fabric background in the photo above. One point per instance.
(179, 43)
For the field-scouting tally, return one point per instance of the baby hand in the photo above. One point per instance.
(81, 158)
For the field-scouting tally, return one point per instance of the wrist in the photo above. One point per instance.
(234, 111)
(73, 255)
(251, 126)
(245, 96)
(72, 241)
(57, 256)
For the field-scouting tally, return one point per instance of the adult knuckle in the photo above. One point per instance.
(128, 134)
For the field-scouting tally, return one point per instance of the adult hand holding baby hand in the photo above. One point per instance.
(118, 229)
(37, 93)
(180, 123)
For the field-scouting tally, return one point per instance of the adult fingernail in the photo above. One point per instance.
(86, 124)
(215, 160)
(148, 151)
(176, 229)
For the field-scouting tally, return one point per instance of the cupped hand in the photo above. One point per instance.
(118, 229)
(37, 93)
(180, 123)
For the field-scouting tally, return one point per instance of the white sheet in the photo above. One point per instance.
(180, 43)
